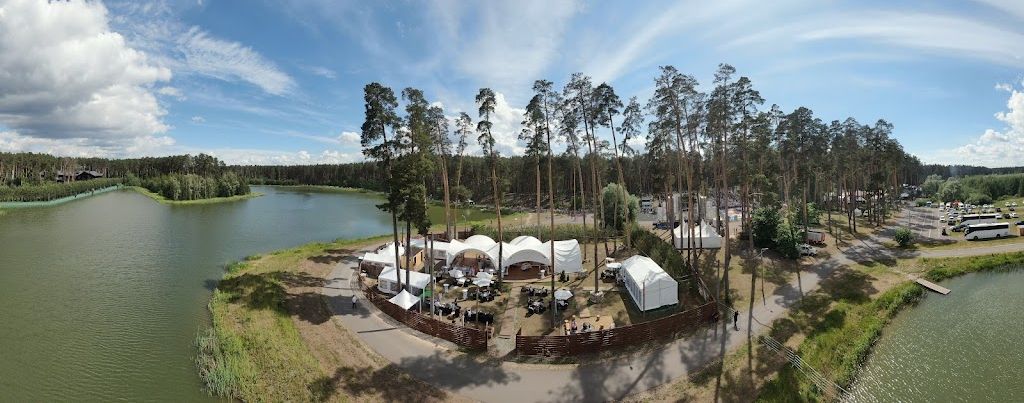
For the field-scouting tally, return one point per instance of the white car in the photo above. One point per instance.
(807, 250)
(1013, 215)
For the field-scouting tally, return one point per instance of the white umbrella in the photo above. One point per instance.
(563, 294)
(456, 273)
(485, 275)
(482, 282)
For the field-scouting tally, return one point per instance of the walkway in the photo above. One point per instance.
(608, 380)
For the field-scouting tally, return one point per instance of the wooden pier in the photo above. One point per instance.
(932, 286)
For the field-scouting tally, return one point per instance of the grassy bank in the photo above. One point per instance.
(841, 334)
(212, 200)
(254, 350)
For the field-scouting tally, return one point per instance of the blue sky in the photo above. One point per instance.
(281, 81)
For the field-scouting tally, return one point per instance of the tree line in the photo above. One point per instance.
(717, 142)
(976, 189)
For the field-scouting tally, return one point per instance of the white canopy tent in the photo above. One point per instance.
(385, 256)
(404, 299)
(440, 248)
(568, 256)
(386, 281)
(648, 284)
(704, 237)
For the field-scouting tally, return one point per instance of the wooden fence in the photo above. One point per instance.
(469, 338)
(597, 341)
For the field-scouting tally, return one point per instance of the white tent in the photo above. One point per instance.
(440, 248)
(648, 284)
(568, 256)
(404, 299)
(386, 281)
(456, 247)
(704, 237)
(385, 256)
(525, 241)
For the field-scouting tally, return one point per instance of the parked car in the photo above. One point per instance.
(1013, 215)
(999, 210)
(807, 250)
(958, 227)
(1020, 223)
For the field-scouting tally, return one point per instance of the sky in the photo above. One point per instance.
(280, 82)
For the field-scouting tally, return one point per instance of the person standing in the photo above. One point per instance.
(353, 302)
(736, 320)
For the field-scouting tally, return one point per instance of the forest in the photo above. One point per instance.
(33, 177)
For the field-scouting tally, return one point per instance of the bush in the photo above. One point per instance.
(903, 236)
(613, 197)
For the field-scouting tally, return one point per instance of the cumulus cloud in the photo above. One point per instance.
(349, 138)
(997, 148)
(269, 157)
(65, 75)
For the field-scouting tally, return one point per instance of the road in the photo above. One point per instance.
(495, 381)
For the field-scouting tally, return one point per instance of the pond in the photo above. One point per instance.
(966, 346)
(101, 298)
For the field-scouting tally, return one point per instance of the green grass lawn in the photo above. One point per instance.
(253, 351)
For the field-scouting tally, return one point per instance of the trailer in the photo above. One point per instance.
(815, 237)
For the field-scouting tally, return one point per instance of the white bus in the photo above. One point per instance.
(971, 219)
(987, 231)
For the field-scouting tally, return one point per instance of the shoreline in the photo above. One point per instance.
(55, 202)
(874, 315)
(163, 200)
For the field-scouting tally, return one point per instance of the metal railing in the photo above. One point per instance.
(826, 385)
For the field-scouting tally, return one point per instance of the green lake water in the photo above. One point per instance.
(967, 346)
(101, 298)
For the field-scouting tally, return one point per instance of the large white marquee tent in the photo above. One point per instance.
(387, 282)
(568, 256)
(404, 299)
(704, 237)
(648, 284)
(385, 256)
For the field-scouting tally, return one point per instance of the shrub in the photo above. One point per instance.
(903, 236)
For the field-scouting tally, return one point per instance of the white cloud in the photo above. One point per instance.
(198, 119)
(269, 157)
(64, 74)
(231, 61)
(349, 138)
(995, 148)
(171, 92)
(946, 35)
(321, 71)
(515, 41)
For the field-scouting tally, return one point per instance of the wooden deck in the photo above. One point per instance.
(932, 286)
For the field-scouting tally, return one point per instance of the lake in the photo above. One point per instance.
(101, 298)
(967, 346)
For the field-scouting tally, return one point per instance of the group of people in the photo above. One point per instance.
(573, 327)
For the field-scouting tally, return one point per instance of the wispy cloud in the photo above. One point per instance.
(946, 35)
(231, 61)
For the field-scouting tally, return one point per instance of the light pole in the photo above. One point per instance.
(760, 255)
